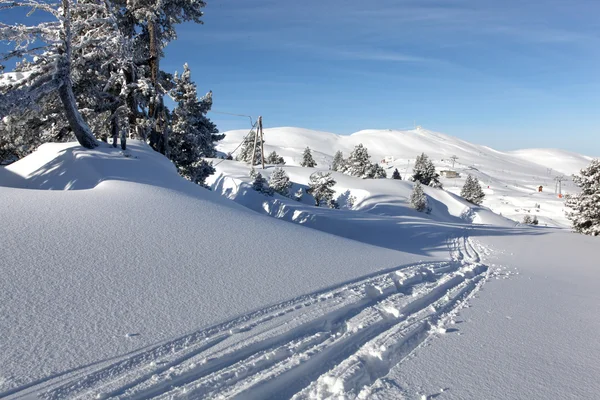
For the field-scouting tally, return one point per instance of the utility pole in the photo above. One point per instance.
(254, 148)
(262, 147)
(453, 159)
(558, 188)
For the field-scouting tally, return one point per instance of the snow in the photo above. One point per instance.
(130, 282)
(509, 179)
(140, 251)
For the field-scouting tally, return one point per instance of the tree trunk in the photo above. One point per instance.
(82, 131)
(154, 108)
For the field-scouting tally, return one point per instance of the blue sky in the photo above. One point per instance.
(508, 74)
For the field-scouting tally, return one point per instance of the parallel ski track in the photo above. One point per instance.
(333, 342)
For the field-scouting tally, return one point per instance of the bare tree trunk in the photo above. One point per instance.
(82, 131)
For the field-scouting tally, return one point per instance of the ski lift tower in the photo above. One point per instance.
(558, 187)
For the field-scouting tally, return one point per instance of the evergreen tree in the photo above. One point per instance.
(358, 164)
(280, 182)
(585, 206)
(307, 159)
(418, 199)
(472, 191)
(247, 149)
(259, 183)
(527, 220)
(193, 135)
(396, 175)
(275, 159)
(299, 194)
(321, 188)
(338, 161)
(79, 36)
(424, 172)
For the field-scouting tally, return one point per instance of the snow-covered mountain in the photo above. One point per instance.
(510, 179)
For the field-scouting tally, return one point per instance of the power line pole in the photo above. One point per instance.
(262, 147)
(254, 148)
(559, 180)
(453, 158)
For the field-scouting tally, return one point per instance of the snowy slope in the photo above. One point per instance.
(140, 256)
(136, 284)
(510, 179)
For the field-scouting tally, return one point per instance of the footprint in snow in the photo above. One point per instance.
(130, 335)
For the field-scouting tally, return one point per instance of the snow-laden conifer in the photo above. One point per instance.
(299, 194)
(424, 172)
(418, 199)
(358, 164)
(259, 183)
(321, 188)
(280, 182)
(275, 159)
(248, 148)
(193, 135)
(338, 161)
(307, 159)
(585, 206)
(472, 191)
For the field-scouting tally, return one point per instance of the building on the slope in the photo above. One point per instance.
(449, 174)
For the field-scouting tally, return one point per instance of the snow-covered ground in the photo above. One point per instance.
(125, 281)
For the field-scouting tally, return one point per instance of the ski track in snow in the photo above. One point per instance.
(336, 342)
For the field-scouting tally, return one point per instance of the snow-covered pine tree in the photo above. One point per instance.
(299, 194)
(151, 24)
(418, 199)
(338, 161)
(424, 172)
(358, 165)
(376, 171)
(275, 159)
(280, 182)
(527, 220)
(259, 183)
(472, 191)
(247, 149)
(321, 188)
(585, 206)
(193, 135)
(396, 175)
(84, 28)
(307, 159)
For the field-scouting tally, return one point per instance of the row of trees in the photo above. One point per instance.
(92, 72)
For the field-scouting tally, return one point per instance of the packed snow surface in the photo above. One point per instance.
(122, 280)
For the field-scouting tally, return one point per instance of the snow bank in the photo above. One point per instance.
(138, 257)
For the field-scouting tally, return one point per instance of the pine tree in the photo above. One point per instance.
(358, 163)
(80, 34)
(338, 161)
(193, 135)
(472, 191)
(527, 220)
(418, 199)
(275, 159)
(585, 206)
(321, 188)
(307, 159)
(299, 194)
(259, 183)
(396, 175)
(424, 172)
(247, 149)
(280, 182)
